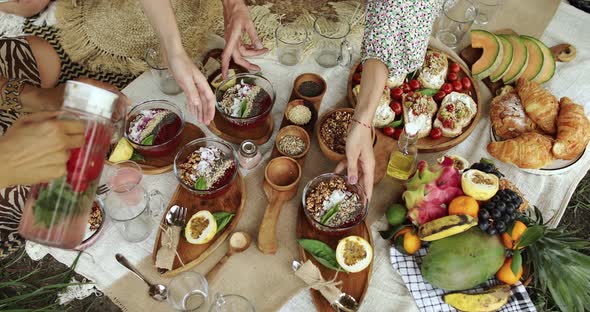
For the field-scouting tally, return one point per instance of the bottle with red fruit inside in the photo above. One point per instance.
(56, 213)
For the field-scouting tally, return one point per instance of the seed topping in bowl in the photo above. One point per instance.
(334, 130)
(299, 115)
(206, 168)
(292, 145)
(240, 100)
(151, 126)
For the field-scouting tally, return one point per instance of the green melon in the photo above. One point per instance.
(520, 59)
(548, 68)
(491, 56)
(536, 59)
(464, 260)
(506, 60)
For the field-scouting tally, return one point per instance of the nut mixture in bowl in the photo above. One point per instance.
(206, 168)
(332, 203)
(334, 129)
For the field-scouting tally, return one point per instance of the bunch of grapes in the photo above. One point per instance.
(487, 167)
(497, 214)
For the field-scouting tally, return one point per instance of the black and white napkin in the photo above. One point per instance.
(429, 298)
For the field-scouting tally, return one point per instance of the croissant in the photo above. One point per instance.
(531, 150)
(539, 104)
(508, 117)
(573, 130)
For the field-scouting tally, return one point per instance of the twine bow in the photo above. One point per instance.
(169, 241)
(312, 276)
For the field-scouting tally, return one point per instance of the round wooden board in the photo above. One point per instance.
(157, 165)
(354, 284)
(428, 145)
(233, 201)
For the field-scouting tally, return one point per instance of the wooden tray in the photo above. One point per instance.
(427, 145)
(233, 201)
(157, 165)
(354, 284)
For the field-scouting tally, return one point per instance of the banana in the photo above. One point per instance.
(490, 300)
(445, 227)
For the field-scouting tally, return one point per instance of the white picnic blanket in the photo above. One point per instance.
(386, 291)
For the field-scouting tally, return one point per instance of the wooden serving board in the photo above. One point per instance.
(157, 165)
(232, 201)
(354, 284)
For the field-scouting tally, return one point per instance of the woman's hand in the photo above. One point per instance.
(36, 147)
(237, 20)
(360, 160)
(200, 98)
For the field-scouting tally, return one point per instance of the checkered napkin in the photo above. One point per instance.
(429, 298)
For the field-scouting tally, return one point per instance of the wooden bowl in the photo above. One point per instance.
(427, 144)
(310, 77)
(329, 153)
(282, 173)
(295, 131)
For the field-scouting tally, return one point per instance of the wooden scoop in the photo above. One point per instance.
(281, 178)
(238, 242)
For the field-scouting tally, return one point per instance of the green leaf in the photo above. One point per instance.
(516, 262)
(412, 75)
(201, 184)
(323, 253)
(243, 108)
(531, 235)
(397, 123)
(136, 156)
(330, 214)
(428, 92)
(223, 219)
(388, 234)
(149, 140)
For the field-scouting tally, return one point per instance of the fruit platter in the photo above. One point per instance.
(440, 96)
(464, 237)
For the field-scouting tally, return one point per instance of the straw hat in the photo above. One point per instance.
(113, 35)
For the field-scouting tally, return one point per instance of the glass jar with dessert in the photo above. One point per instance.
(56, 213)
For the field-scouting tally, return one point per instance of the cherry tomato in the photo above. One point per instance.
(450, 108)
(447, 88)
(435, 133)
(455, 68)
(457, 85)
(452, 77)
(396, 107)
(389, 131)
(359, 68)
(410, 94)
(448, 123)
(356, 78)
(414, 84)
(406, 87)
(398, 133)
(396, 93)
(439, 96)
(466, 83)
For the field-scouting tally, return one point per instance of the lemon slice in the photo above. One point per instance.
(123, 151)
(354, 254)
(201, 228)
(479, 185)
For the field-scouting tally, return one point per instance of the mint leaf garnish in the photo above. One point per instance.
(201, 184)
(149, 140)
(243, 108)
(330, 214)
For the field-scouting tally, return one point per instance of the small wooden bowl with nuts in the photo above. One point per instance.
(332, 131)
(293, 141)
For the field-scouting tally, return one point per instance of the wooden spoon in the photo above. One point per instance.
(238, 242)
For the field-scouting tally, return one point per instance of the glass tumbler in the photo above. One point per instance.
(129, 207)
(457, 18)
(486, 10)
(332, 46)
(231, 303)
(291, 40)
(162, 75)
(188, 291)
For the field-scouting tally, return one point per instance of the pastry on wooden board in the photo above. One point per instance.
(508, 117)
(539, 104)
(530, 150)
(573, 130)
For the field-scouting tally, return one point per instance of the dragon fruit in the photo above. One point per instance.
(430, 190)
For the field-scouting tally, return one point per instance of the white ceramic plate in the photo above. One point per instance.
(558, 166)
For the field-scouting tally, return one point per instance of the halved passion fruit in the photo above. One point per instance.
(479, 185)
(354, 254)
(201, 228)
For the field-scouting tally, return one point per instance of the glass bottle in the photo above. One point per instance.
(249, 155)
(56, 213)
(403, 159)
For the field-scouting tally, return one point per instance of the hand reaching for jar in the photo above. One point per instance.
(36, 148)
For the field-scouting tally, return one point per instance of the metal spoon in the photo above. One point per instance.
(345, 302)
(158, 292)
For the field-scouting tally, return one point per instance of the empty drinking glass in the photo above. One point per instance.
(162, 76)
(486, 10)
(455, 20)
(188, 291)
(231, 303)
(332, 46)
(128, 205)
(291, 41)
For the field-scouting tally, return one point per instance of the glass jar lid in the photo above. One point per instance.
(88, 98)
(248, 148)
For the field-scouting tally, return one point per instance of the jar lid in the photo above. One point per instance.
(88, 98)
(248, 148)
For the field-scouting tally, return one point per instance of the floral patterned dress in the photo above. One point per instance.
(397, 32)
